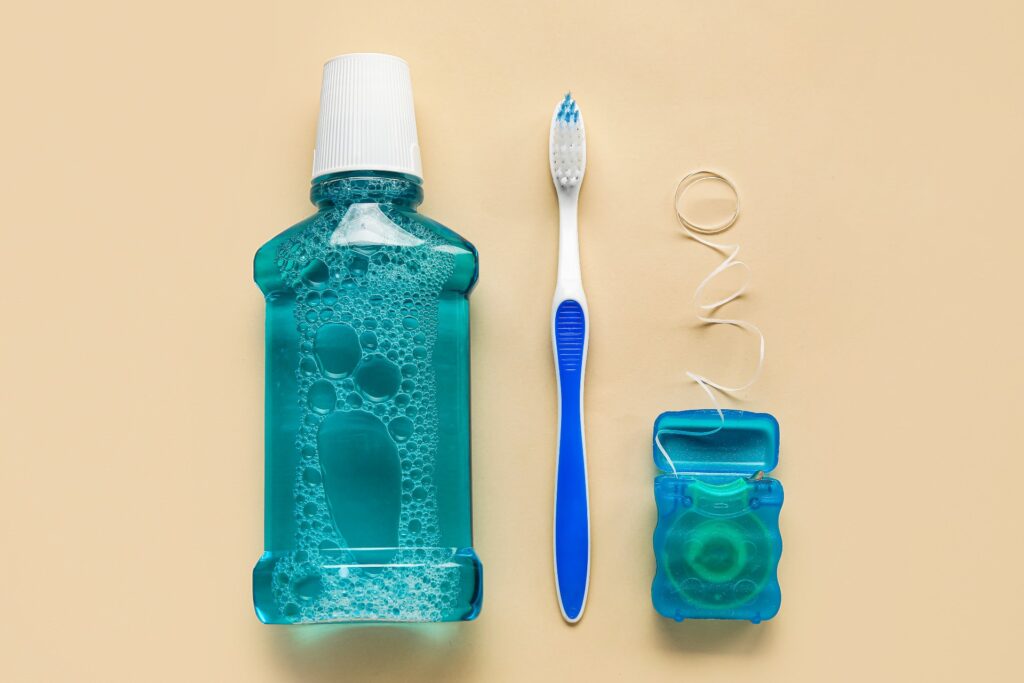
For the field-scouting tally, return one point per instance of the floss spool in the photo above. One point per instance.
(717, 542)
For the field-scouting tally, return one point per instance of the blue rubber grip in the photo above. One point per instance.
(572, 523)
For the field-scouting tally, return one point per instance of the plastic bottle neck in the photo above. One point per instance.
(370, 187)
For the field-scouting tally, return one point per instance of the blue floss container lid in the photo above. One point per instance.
(717, 543)
(703, 442)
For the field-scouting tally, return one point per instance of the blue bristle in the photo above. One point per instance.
(567, 111)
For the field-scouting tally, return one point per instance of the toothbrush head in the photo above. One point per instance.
(568, 146)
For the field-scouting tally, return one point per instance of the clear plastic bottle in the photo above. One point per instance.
(368, 509)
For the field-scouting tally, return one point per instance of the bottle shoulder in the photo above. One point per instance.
(266, 267)
(335, 229)
(467, 258)
(445, 233)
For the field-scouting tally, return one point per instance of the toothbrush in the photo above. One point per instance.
(570, 331)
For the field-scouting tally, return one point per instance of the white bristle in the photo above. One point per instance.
(568, 145)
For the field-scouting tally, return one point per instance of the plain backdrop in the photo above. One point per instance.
(148, 149)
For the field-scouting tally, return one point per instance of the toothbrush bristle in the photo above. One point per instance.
(568, 144)
(567, 111)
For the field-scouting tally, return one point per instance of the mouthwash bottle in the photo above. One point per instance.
(368, 512)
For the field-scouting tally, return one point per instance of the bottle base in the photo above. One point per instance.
(343, 585)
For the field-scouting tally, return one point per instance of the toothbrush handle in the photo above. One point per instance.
(572, 510)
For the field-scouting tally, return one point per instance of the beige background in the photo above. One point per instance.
(148, 150)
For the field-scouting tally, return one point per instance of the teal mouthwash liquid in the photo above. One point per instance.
(367, 500)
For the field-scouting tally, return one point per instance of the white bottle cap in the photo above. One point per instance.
(367, 121)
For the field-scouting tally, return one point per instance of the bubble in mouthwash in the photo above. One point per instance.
(337, 348)
(401, 429)
(378, 378)
(367, 321)
(322, 396)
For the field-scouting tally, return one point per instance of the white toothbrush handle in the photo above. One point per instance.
(570, 329)
(570, 280)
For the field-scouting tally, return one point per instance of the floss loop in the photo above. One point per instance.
(705, 312)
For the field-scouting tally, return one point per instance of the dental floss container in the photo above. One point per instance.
(717, 543)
